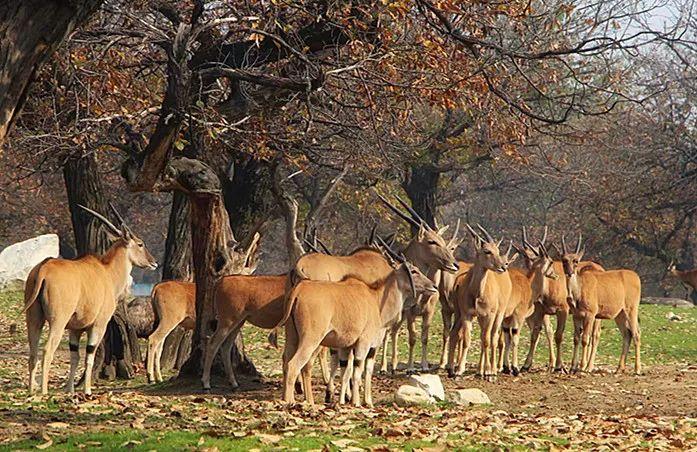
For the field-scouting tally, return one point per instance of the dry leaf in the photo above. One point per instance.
(341, 443)
(47, 444)
(269, 439)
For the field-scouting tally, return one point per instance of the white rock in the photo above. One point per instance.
(430, 383)
(469, 396)
(408, 395)
(17, 260)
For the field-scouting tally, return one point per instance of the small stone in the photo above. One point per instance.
(471, 396)
(408, 395)
(430, 383)
(673, 317)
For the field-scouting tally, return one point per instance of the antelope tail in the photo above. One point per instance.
(38, 287)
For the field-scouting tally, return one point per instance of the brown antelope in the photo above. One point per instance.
(258, 300)
(482, 292)
(346, 315)
(426, 309)
(429, 251)
(688, 278)
(612, 294)
(79, 295)
(446, 291)
(552, 301)
(174, 304)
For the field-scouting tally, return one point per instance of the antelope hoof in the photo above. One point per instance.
(561, 370)
(506, 370)
(411, 371)
(526, 368)
(451, 373)
(207, 390)
(515, 371)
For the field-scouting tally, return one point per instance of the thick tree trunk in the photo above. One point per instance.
(421, 186)
(30, 31)
(210, 239)
(246, 188)
(83, 186)
(177, 263)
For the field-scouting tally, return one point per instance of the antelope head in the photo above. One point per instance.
(571, 260)
(544, 262)
(488, 253)
(528, 252)
(409, 275)
(428, 245)
(136, 251)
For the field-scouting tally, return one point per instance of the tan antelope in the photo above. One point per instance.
(429, 251)
(174, 304)
(482, 292)
(516, 310)
(79, 295)
(688, 278)
(552, 301)
(446, 291)
(612, 294)
(346, 315)
(426, 309)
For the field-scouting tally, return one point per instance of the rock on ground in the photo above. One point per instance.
(17, 260)
(430, 383)
(662, 301)
(408, 395)
(472, 396)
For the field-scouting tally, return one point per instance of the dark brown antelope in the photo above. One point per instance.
(79, 295)
(688, 278)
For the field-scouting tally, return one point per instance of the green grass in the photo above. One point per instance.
(108, 426)
(662, 341)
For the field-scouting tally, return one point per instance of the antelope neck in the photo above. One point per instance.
(391, 299)
(118, 266)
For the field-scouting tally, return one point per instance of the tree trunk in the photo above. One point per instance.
(211, 237)
(246, 188)
(30, 31)
(421, 186)
(83, 186)
(177, 263)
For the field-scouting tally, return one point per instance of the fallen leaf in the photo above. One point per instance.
(57, 425)
(342, 443)
(47, 444)
(269, 439)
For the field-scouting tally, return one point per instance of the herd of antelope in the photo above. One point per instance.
(343, 307)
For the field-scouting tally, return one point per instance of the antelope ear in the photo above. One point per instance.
(513, 258)
(112, 237)
(442, 230)
(422, 233)
(580, 254)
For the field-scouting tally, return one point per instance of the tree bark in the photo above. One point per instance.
(83, 186)
(246, 188)
(30, 31)
(421, 186)
(177, 262)
(210, 240)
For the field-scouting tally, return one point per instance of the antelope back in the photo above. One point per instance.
(367, 265)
